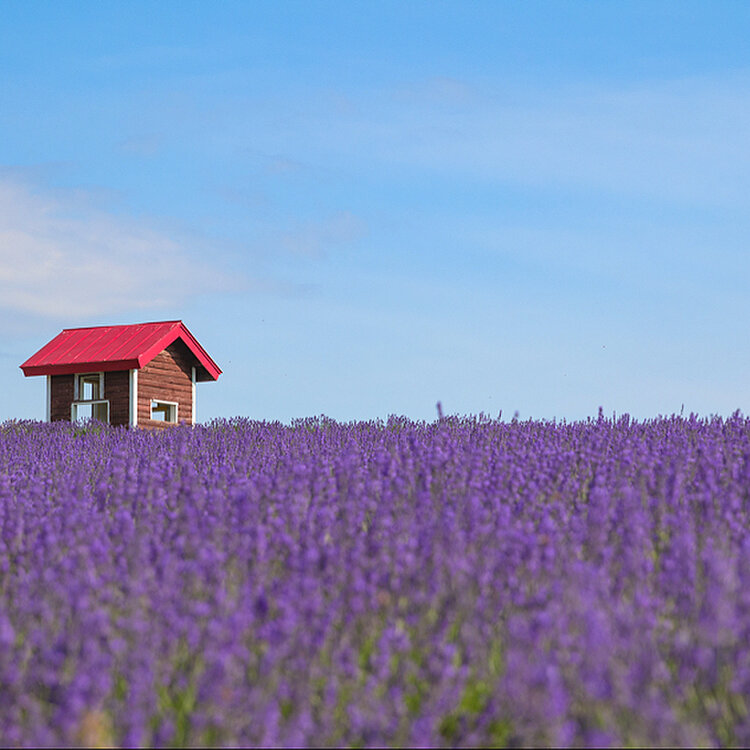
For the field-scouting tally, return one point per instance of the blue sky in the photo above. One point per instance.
(360, 209)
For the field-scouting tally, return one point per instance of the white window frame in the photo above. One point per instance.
(77, 401)
(77, 386)
(172, 404)
(192, 378)
(74, 408)
(48, 408)
(133, 394)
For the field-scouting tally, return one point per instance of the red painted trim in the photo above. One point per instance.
(146, 356)
(181, 332)
(211, 367)
(80, 367)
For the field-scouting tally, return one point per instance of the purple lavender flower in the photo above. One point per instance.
(462, 582)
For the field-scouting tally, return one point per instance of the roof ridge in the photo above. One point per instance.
(123, 325)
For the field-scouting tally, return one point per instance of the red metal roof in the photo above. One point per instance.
(107, 348)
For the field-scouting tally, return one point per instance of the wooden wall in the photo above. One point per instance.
(61, 397)
(167, 377)
(117, 392)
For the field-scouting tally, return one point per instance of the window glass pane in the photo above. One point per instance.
(100, 412)
(82, 412)
(88, 387)
(162, 412)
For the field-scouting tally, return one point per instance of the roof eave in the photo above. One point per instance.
(79, 367)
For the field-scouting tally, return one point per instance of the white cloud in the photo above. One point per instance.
(61, 257)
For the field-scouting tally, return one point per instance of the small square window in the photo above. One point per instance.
(164, 411)
(90, 387)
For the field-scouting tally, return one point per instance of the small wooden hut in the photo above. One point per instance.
(140, 375)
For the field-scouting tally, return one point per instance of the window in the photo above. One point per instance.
(90, 410)
(90, 387)
(89, 401)
(164, 411)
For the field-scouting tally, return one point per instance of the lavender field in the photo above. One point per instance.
(467, 581)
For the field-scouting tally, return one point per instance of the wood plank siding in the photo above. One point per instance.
(117, 392)
(167, 377)
(61, 397)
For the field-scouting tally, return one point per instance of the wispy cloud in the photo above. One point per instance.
(283, 165)
(142, 145)
(438, 90)
(315, 237)
(681, 140)
(63, 258)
